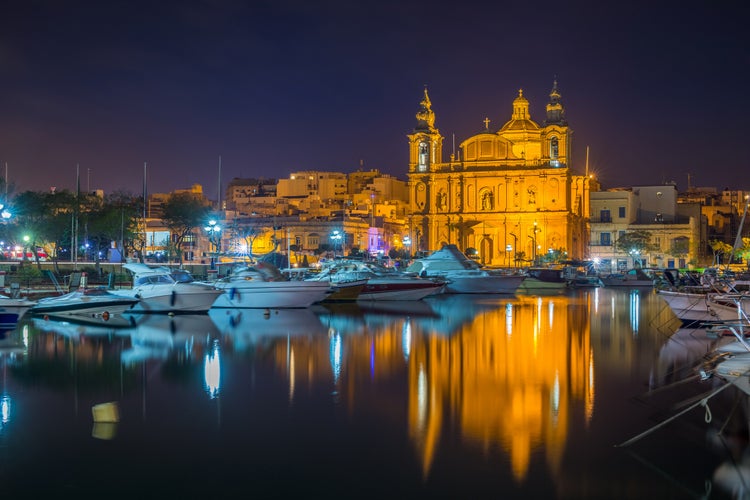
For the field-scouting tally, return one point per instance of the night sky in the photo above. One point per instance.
(657, 93)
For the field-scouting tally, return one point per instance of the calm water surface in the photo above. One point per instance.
(455, 397)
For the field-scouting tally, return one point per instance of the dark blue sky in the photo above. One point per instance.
(657, 93)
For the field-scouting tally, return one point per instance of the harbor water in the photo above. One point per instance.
(454, 396)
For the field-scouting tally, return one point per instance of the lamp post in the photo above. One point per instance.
(533, 239)
(213, 230)
(635, 254)
(515, 248)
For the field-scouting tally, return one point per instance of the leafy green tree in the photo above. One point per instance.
(183, 212)
(632, 242)
(46, 218)
(720, 249)
(115, 218)
(744, 251)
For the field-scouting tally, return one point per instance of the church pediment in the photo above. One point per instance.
(486, 147)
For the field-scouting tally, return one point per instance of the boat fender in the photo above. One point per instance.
(173, 298)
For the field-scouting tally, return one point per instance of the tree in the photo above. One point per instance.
(744, 251)
(634, 242)
(45, 218)
(720, 249)
(183, 212)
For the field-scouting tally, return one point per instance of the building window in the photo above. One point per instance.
(605, 239)
(605, 216)
(621, 212)
(553, 152)
(424, 154)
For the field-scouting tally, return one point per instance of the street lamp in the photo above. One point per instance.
(533, 238)
(634, 253)
(336, 236)
(515, 246)
(213, 230)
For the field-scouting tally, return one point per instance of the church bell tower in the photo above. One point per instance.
(425, 143)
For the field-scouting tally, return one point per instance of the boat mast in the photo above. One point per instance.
(738, 238)
(74, 243)
(143, 219)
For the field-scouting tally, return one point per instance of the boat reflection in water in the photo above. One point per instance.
(247, 328)
(525, 395)
(158, 336)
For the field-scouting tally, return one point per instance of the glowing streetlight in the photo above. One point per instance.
(213, 230)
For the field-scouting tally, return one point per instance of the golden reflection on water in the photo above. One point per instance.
(507, 373)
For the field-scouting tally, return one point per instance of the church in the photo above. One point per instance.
(510, 194)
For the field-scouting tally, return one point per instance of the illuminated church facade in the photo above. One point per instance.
(509, 193)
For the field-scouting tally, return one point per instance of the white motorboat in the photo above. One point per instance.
(733, 307)
(262, 285)
(12, 310)
(382, 283)
(85, 302)
(689, 307)
(463, 275)
(158, 291)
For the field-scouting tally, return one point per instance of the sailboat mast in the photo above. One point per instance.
(76, 214)
(143, 219)
(738, 238)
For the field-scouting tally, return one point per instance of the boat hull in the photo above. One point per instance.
(688, 307)
(406, 289)
(271, 294)
(12, 310)
(484, 284)
(178, 298)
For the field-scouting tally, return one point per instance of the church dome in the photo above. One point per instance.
(521, 119)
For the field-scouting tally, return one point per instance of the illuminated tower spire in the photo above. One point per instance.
(425, 115)
(555, 109)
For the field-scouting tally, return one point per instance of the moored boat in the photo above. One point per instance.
(12, 310)
(545, 278)
(382, 283)
(463, 275)
(261, 285)
(158, 291)
(97, 301)
(635, 277)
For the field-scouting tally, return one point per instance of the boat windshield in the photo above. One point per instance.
(154, 279)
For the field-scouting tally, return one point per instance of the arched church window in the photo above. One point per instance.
(554, 151)
(424, 155)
